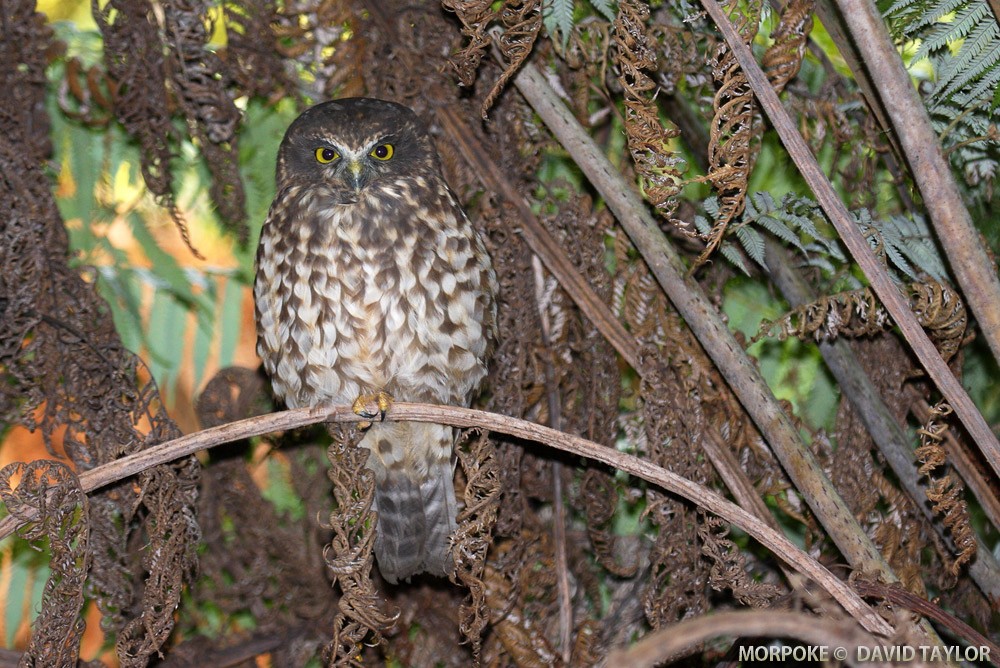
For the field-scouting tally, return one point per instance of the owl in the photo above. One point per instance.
(372, 285)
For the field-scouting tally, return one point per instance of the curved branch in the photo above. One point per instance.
(671, 642)
(783, 548)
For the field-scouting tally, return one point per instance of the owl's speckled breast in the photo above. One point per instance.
(366, 297)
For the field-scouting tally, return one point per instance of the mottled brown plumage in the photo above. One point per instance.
(371, 279)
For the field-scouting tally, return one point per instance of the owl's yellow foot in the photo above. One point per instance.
(371, 406)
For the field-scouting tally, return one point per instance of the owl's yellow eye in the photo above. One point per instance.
(382, 152)
(326, 155)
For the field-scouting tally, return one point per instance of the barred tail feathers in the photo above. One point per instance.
(414, 497)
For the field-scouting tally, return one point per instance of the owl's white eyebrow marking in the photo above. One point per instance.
(350, 153)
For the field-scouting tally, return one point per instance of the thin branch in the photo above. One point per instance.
(774, 541)
(701, 315)
(967, 257)
(558, 504)
(674, 641)
(911, 601)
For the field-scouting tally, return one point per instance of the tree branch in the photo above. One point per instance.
(672, 642)
(780, 546)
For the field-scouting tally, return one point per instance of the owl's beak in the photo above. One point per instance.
(359, 175)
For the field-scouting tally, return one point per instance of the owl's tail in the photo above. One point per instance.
(414, 497)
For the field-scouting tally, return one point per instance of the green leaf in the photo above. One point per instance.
(557, 15)
(123, 292)
(730, 252)
(165, 267)
(28, 570)
(753, 243)
(605, 8)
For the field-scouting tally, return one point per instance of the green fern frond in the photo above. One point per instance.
(605, 8)
(730, 252)
(904, 243)
(752, 242)
(934, 13)
(727, 249)
(942, 34)
(987, 84)
(965, 54)
(976, 47)
(901, 7)
(557, 16)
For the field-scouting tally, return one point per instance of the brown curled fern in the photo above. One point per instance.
(648, 139)
(522, 21)
(729, 570)
(200, 81)
(858, 313)
(600, 502)
(133, 55)
(251, 54)
(48, 496)
(783, 59)
(481, 465)
(733, 142)
(476, 16)
(349, 556)
(944, 491)
(511, 601)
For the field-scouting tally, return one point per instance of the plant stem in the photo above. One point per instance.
(774, 541)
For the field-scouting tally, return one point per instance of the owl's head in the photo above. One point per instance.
(349, 144)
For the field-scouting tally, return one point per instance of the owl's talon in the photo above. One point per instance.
(371, 406)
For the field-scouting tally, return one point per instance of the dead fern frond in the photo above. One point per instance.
(476, 17)
(521, 633)
(783, 59)
(853, 313)
(944, 491)
(857, 313)
(50, 491)
(648, 139)
(252, 55)
(729, 570)
(941, 311)
(133, 55)
(732, 146)
(522, 21)
(349, 556)
(481, 466)
(600, 502)
(200, 81)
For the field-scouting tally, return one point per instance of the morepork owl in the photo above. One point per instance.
(372, 283)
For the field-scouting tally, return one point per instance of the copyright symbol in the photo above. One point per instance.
(839, 653)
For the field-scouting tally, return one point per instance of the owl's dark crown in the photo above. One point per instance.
(349, 144)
